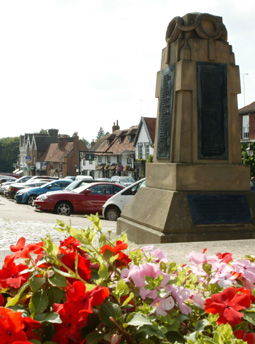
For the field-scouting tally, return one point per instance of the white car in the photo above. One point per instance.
(114, 206)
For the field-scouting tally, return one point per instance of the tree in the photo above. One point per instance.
(86, 142)
(246, 159)
(9, 152)
(100, 133)
(43, 131)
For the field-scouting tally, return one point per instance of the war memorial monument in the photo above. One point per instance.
(197, 188)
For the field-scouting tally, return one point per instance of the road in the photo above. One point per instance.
(18, 220)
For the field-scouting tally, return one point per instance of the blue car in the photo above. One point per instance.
(27, 196)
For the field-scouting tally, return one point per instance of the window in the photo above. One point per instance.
(147, 150)
(140, 150)
(245, 127)
(119, 159)
(100, 158)
(108, 159)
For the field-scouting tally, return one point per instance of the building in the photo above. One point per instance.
(247, 123)
(50, 154)
(144, 144)
(112, 154)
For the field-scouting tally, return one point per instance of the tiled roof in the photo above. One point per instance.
(247, 109)
(55, 154)
(114, 147)
(151, 125)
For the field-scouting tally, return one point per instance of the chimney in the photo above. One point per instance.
(115, 127)
(92, 143)
(62, 141)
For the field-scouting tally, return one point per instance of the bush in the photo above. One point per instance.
(90, 289)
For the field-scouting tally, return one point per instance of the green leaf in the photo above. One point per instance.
(250, 317)
(55, 295)
(107, 310)
(58, 280)
(94, 338)
(38, 302)
(50, 247)
(53, 318)
(103, 271)
(15, 299)
(138, 319)
(131, 296)
(201, 324)
(36, 283)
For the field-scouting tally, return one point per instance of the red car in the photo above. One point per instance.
(87, 199)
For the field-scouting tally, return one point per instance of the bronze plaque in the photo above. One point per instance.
(219, 209)
(165, 113)
(212, 111)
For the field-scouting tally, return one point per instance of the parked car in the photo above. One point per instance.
(12, 189)
(114, 206)
(4, 187)
(126, 181)
(6, 179)
(82, 177)
(86, 199)
(26, 196)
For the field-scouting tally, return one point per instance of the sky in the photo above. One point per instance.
(78, 65)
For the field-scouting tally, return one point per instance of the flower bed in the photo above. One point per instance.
(91, 290)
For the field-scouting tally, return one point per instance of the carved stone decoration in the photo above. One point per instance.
(204, 26)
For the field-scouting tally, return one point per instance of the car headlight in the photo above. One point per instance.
(43, 197)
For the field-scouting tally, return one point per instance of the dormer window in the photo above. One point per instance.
(119, 139)
(129, 138)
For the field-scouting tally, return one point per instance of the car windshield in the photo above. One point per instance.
(72, 186)
(127, 180)
(81, 188)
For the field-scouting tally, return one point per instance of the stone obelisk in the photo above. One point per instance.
(196, 188)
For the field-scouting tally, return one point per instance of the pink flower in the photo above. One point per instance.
(163, 305)
(180, 294)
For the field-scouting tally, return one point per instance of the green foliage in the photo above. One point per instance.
(9, 152)
(100, 133)
(246, 159)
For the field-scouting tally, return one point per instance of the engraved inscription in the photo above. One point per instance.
(219, 209)
(165, 113)
(212, 111)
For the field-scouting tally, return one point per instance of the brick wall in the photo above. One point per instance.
(252, 126)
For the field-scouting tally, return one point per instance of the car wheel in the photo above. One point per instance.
(112, 213)
(31, 199)
(63, 208)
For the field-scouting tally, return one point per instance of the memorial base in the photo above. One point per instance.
(165, 216)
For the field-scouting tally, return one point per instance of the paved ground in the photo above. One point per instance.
(18, 220)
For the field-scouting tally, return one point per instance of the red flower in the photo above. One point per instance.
(1, 300)
(11, 276)
(22, 251)
(123, 259)
(226, 257)
(30, 326)
(11, 326)
(83, 264)
(245, 336)
(228, 304)
(75, 311)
